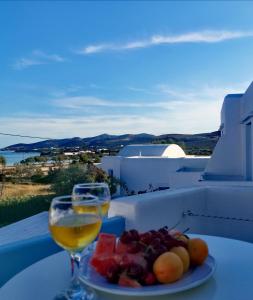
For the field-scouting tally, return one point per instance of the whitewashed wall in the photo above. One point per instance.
(227, 157)
(154, 210)
(139, 172)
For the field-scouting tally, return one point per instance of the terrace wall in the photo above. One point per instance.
(157, 209)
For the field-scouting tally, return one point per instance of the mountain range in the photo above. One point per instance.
(201, 140)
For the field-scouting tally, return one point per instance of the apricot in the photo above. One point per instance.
(183, 255)
(198, 251)
(168, 267)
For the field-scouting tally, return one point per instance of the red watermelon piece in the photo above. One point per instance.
(104, 253)
(126, 281)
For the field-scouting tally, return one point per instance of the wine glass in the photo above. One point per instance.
(97, 189)
(74, 224)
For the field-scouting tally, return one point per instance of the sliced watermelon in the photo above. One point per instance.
(106, 244)
(104, 252)
(103, 264)
(126, 281)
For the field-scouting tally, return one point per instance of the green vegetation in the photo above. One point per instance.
(2, 177)
(2, 160)
(61, 180)
(13, 210)
(189, 149)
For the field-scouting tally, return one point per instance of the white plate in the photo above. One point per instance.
(192, 278)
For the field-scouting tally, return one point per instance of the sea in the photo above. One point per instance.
(15, 157)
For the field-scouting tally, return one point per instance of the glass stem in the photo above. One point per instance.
(75, 265)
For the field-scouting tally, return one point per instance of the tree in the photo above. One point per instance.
(59, 159)
(64, 179)
(83, 158)
(2, 160)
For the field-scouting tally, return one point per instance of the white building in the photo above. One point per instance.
(233, 154)
(154, 167)
(222, 203)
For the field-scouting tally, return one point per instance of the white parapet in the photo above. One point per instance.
(220, 210)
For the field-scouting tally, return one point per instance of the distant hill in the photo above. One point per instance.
(200, 141)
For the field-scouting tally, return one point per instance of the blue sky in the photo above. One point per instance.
(87, 68)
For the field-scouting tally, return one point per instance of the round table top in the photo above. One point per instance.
(232, 279)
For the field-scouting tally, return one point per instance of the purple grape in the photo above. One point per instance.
(163, 231)
(134, 247)
(146, 238)
(112, 273)
(153, 233)
(161, 249)
(135, 271)
(126, 237)
(155, 242)
(124, 263)
(182, 244)
(134, 234)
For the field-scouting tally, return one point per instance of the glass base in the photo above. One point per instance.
(76, 292)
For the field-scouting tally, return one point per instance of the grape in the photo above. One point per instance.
(150, 256)
(142, 246)
(112, 273)
(153, 233)
(163, 231)
(160, 249)
(124, 263)
(135, 271)
(149, 279)
(134, 234)
(146, 238)
(134, 247)
(126, 237)
(182, 244)
(170, 243)
(155, 242)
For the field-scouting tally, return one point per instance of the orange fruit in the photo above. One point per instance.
(183, 255)
(168, 267)
(198, 251)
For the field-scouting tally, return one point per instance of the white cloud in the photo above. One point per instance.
(186, 111)
(207, 36)
(37, 57)
(184, 118)
(173, 98)
(81, 102)
(62, 127)
(48, 57)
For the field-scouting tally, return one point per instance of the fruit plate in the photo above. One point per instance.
(194, 277)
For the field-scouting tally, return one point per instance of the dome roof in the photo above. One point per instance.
(158, 150)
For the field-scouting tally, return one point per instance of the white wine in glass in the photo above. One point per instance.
(75, 232)
(74, 224)
(97, 189)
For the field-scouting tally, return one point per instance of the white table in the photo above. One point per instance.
(232, 280)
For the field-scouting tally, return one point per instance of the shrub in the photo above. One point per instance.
(15, 209)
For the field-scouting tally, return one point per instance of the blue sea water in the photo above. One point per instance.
(15, 157)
